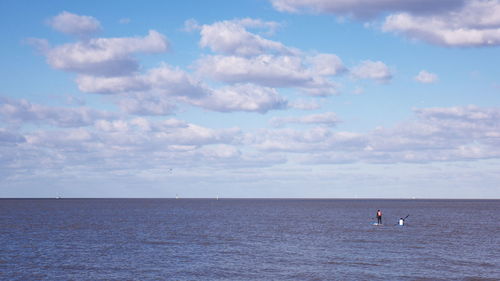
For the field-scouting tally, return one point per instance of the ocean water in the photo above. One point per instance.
(248, 239)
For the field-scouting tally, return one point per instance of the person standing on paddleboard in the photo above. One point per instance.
(379, 217)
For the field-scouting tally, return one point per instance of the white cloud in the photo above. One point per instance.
(242, 97)
(266, 70)
(154, 93)
(469, 114)
(327, 118)
(269, 71)
(232, 38)
(105, 56)
(249, 58)
(462, 23)
(96, 56)
(317, 139)
(114, 125)
(426, 77)
(269, 26)
(20, 111)
(147, 104)
(111, 85)
(73, 24)
(176, 82)
(106, 66)
(136, 134)
(158, 91)
(434, 135)
(476, 24)
(375, 70)
(221, 151)
(441, 134)
(304, 105)
(164, 79)
(119, 147)
(365, 8)
(326, 64)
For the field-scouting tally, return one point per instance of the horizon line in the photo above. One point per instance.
(252, 198)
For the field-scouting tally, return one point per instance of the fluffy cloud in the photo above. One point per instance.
(462, 23)
(168, 132)
(98, 57)
(165, 79)
(111, 85)
(134, 144)
(426, 77)
(468, 113)
(104, 56)
(317, 139)
(435, 134)
(266, 70)
(157, 92)
(271, 71)
(365, 8)
(106, 66)
(304, 105)
(327, 118)
(147, 104)
(242, 97)
(74, 24)
(476, 24)
(19, 111)
(440, 134)
(326, 64)
(249, 58)
(232, 38)
(375, 70)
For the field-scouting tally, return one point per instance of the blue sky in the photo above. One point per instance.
(262, 98)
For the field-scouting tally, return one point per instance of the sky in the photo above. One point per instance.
(250, 99)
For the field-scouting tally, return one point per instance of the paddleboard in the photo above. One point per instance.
(375, 223)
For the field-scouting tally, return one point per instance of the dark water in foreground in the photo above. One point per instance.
(232, 239)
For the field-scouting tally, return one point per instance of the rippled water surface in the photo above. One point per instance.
(248, 239)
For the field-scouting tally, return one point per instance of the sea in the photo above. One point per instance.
(248, 239)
